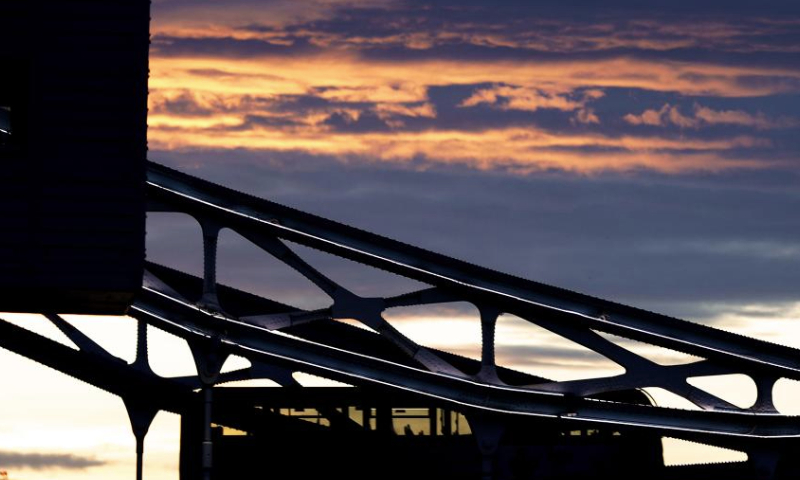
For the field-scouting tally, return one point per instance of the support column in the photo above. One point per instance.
(764, 401)
(139, 457)
(140, 412)
(210, 240)
(142, 360)
(488, 371)
(207, 459)
(765, 463)
(384, 423)
(488, 433)
(208, 359)
(141, 416)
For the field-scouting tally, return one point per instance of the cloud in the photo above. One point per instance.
(738, 117)
(425, 26)
(177, 110)
(46, 461)
(520, 150)
(509, 97)
(277, 13)
(705, 116)
(175, 65)
(323, 86)
(667, 115)
(586, 115)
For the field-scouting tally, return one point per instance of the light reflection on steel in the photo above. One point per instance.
(279, 339)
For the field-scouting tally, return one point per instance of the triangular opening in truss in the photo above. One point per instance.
(527, 347)
(254, 382)
(309, 380)
(665, 398)
(355, 323)
(654, 353)
(235, 362)
(453, 327)
(785, 395)
(175, 240)
(169, 355)
(683, 452)
(117, 335)
(363, 280)
(244, 266)
(737, 389)
(39, 325)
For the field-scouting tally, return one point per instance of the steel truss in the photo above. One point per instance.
(279, 340)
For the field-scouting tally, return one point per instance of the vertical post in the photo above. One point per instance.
(141, 416)
(384, 423)
(142, 361)
(765, 463)
(207, 442)
(367, 415)
(209, 358)
(488, 371)
(488, 432)
(764, 401)
(139, 457)
(210, 241)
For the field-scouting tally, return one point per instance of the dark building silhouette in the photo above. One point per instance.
(73, 126)
(357, 433)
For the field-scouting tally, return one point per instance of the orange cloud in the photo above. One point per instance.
(509, 97)
(521, 150)
(364, 79)
(278, 13)
(586, 115)
(401, 26)
(230, 101)
(705, 116)
(738, 117)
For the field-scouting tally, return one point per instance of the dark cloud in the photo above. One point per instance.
(589, 7)
(366, 122)
(449, 113)
(185, 103)
(46, 461)
(172, 46)
(778, 82)
(538, 31)
(261, 121)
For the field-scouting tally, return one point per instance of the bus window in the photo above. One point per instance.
(411, 421)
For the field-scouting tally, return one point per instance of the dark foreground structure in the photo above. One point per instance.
(73, 242)
(362, 433)
(73, 142)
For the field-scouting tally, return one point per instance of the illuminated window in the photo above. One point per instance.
(411, 421)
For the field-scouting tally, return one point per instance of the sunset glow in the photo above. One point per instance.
(647, 155)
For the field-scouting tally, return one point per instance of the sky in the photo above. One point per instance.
(648, 154)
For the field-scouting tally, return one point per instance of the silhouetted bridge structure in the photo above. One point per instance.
(73, 102)
(279, 340)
